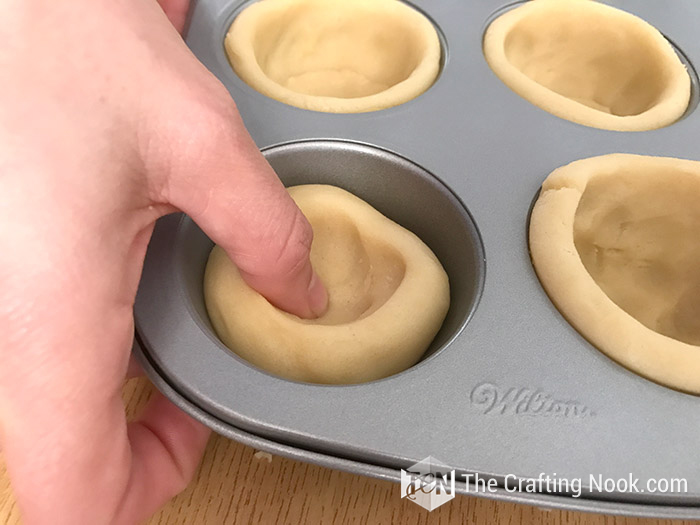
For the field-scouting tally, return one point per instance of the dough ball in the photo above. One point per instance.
(614, 241)
(589, 63)
(388, 296)
(339, 56)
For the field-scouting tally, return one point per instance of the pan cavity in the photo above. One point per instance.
(333, 55)
(591, 64)
(402, 192)
(614, 241)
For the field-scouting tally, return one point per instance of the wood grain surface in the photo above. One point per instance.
(234, 485)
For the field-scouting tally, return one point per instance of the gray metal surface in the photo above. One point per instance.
(515, 390)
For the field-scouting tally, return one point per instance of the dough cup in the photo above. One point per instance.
(388, 297)
(614, 241)
(589, 63)
(336, 56)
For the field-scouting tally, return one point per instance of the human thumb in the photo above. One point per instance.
(234, 195)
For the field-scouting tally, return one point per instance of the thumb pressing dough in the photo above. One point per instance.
(615, 241)
(339, 56)
(388, 296)
(589, 63)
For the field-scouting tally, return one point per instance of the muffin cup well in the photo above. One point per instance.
(335, 56)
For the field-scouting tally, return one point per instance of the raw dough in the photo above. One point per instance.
(589, 63)
(388, 296)
(614, 240)
(338, 56)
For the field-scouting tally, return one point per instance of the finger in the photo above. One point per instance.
(69, 451)
(176, 11)
(237, 199)
(64, 431)
(166, 446)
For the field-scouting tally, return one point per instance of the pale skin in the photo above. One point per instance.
(107, 122)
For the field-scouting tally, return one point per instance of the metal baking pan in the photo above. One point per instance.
(508, 388)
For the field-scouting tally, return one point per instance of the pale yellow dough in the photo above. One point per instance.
(615, 241)
(589, 63)
(339, 56)
(388, 296)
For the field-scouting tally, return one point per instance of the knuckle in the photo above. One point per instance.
(291, 250)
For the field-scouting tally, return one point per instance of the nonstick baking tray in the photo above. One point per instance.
(508, 387)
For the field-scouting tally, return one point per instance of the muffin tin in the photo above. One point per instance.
(508, 386)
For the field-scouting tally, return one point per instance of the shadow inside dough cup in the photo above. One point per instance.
(336, 56)
(589, 63)
(614, 240)
(388, 297)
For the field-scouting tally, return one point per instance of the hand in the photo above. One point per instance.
(107, 122)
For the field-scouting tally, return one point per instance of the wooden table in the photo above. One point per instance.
(234, 486)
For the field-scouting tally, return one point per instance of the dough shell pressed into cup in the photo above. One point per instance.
(388, 297)
(337, 56)
(614, 241)
(589, 63)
